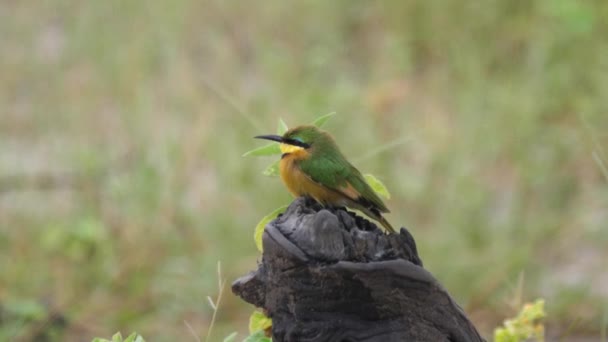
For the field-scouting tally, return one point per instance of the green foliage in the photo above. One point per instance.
(259, 321)
(282, 127)
(377, 186)
(231, 337)
(576, 16)
(24, 309)
(258, 336)
(16, 313)
(320, 121)
(84, 239)
(272, 170)
(134, 337)
(259, 228)
(525, 326)
(266, 150)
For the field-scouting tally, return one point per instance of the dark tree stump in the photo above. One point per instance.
(329, 275)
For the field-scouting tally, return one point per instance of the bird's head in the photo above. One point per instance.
(301, 138)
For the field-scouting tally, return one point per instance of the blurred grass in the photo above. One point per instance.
(123, 123)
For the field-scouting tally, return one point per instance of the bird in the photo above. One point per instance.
(312, 165)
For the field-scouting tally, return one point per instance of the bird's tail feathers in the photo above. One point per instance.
(373, 213)
(386, 224)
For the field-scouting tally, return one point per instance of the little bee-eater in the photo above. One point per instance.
(312, 165)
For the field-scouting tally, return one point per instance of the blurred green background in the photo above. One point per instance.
(123, 124)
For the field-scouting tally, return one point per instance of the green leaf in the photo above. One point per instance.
(259, 228)
(25, 309)
(117, 337)
(525, 326)
(320, 121)
(377, 185)
(272, 169)
(259, 321)
(231, 337)
(258, 336)
(266, 150)
(282, 128)
(134, 337)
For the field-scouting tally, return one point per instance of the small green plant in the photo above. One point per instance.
(525, 326)
(85, 239)
(231, 337)
(259, 228)
(259, 336)
(259, 327)
(20, 319)
(134, 337)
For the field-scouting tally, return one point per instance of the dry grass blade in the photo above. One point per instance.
(215, 305)
(198, 339)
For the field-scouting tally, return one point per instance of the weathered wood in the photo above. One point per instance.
(329, 275)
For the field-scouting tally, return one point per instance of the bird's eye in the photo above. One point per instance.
(297, 141)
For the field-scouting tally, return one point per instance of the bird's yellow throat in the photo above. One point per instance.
(286, 148)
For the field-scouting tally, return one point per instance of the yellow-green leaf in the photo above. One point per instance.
(231, 337)
(526, 325)
(320, 121)
(259, 228)
(258, 321)
(117, 337)
(282, 127)
(377, 185)
(272, 169)
(266, 150)
(134, 337)
(258, 336)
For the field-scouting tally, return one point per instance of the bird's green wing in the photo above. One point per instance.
(367, 194)
(329, 172)
(338, 174)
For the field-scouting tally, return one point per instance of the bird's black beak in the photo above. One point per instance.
(276, 138)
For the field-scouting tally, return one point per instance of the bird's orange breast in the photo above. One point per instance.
(300, 184)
